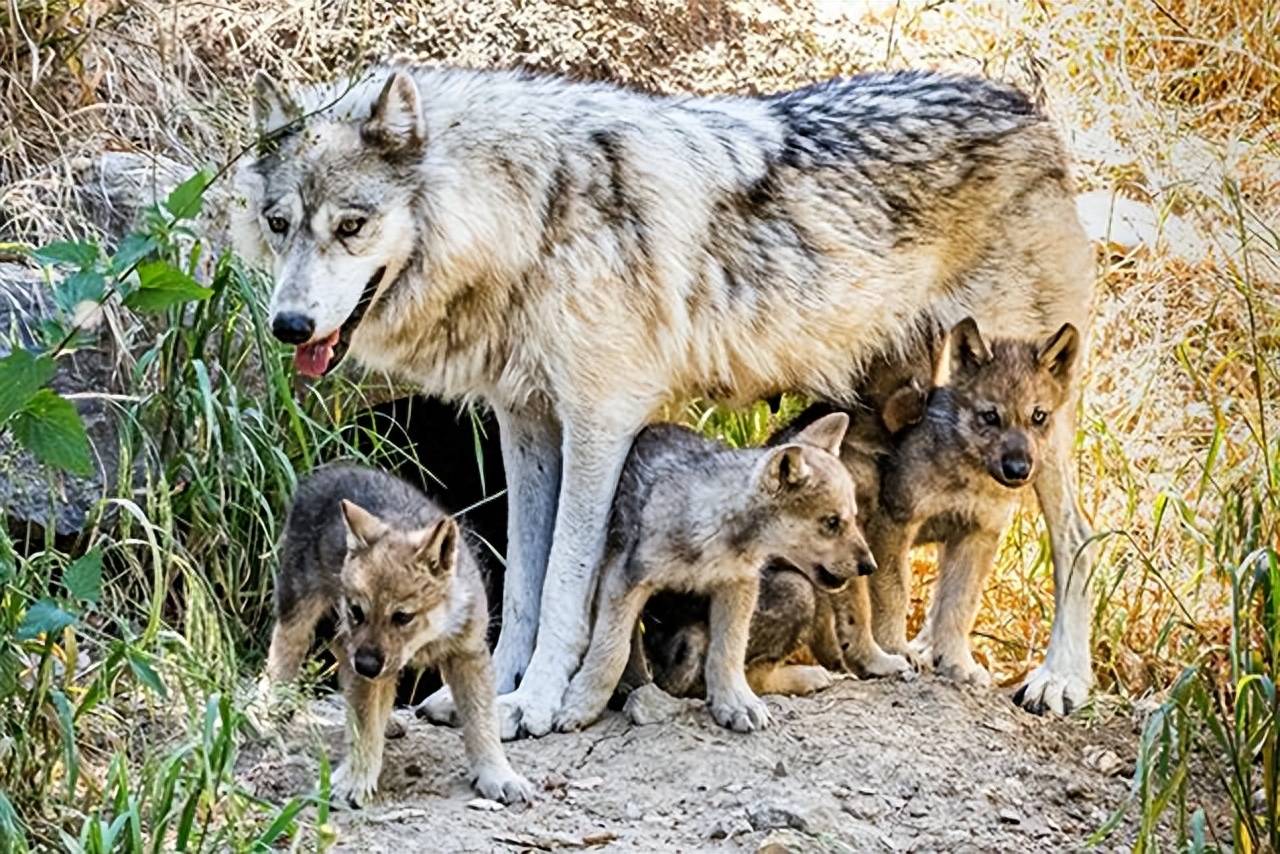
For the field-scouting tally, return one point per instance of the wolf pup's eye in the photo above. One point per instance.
(357, 615)
(278, 224)
(989, 417)
(831, 524)
(401, 618)
(1039, 416)
(350, 226)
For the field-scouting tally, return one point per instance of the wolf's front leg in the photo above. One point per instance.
(1062, 683)
(368, 710)
(593, 458)
(890, 584)
(943, 642)
(729, 697)
(862, 654)
(470, 676)
(619, 609)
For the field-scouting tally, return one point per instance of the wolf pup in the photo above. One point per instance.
(955, 479)
(578, 255)
(697, 517)
(407, 593)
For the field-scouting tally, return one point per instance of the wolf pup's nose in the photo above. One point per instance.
(368, 663)
(1016, 468)
(866, 565)
(292, 327)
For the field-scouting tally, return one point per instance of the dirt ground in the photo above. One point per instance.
(863, 766)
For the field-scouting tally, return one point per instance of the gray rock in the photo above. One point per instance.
(649, 704)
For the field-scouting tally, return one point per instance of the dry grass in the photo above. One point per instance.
(1174, 104)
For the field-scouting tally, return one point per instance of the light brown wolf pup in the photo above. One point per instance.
(406, 592)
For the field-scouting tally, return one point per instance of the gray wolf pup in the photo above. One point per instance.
(955, 479)
(406, 593)
(695, 516)
(579, 256)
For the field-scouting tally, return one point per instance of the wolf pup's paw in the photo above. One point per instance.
(745, 713)
(502, 784)
(439, 708)
(954, 665)
(882, 664)
(1048, 690)
(352, 788)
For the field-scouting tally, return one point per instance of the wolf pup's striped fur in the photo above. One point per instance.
(694, 516)
(406, 592)
(579, 255)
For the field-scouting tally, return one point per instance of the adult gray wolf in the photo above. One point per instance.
(375, 551)
(579, 255)
(694, 515)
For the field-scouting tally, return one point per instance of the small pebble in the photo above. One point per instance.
(1008, 816)
(484, 804)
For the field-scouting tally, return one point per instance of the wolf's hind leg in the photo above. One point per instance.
(943, 643)
(531, 457)
(470, 675)
(1062, 683)
(729, 696)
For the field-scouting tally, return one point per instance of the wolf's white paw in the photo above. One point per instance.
(530, 709)
(574, 716)
(352, 787)
(955, 663)
(438, 708)
(1050, 690)
(886, 664)
(810, 679)
(501, 783)
(740, 713)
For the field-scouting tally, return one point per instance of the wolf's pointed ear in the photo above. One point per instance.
(363, 528)
(826, 433)
(967, 350)
(271, 108)
(397, 120)
(438, 546)
(1058, 355)
(785, 469)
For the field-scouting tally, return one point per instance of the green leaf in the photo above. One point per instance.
(83, 579)
(80, 253)
(145, 673)
(161, 285)
(187, 198)
(21, 376)
(79, 287)
(44, 617)
(49, 427)
(67, 725)
(131, 250)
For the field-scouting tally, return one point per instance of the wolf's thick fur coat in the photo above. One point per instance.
(579, 255)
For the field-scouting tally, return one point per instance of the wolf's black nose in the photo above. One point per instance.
(292, 327)
(1016, 468)
(866, 565)
(368, 663)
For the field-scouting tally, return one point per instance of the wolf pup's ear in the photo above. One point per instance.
(826, 433)
(785, 469)
(363, 528)
(905, 407)
(397, 120)
(1058, 355)
(968, 350)
(271, 108)
(438, 547)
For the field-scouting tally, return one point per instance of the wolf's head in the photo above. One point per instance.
(329, 204)
(396, 585)
(1006, 393)
(810, 517)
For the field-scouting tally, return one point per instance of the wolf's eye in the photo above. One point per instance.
(278, 224)
(1039, 416)
(350, 226)
(989, 417)
(357, 614)
(401, 618)
(831, 524)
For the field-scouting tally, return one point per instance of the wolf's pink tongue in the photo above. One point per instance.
(312, 360)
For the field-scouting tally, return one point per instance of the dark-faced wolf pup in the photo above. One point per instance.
(695, 516)
(406, 591)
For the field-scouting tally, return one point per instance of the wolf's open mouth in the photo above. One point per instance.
(317, 358)
(829, 579)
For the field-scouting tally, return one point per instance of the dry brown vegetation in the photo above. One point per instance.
(1171, 107)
